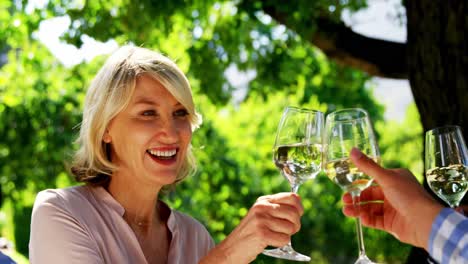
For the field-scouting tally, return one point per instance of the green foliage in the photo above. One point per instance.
(401, 144)
(41, 102)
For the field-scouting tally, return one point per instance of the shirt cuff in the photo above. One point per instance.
(441, 217)
(444, 234)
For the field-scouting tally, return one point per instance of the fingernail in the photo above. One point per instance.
(356, 153)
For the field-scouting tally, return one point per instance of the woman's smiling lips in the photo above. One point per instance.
(165, 156)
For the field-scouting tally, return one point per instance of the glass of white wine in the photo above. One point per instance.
(297, 153)
(346, 129)
(447, 164)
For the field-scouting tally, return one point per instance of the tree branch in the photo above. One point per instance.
(376, 57)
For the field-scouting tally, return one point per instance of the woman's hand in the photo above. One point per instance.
(270, 222)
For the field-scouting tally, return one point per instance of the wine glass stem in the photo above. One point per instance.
(294, 189)
(360, 237)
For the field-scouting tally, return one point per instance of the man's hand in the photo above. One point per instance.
(398, 204)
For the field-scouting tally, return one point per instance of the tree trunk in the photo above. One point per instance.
(437, 63)
(437, 57)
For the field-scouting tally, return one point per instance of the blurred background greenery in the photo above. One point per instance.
(41, 101)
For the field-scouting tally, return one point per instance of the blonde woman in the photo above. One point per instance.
(134, 141)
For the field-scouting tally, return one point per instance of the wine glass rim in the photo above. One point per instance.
(362, 114)
(302, 109)
(443, 129)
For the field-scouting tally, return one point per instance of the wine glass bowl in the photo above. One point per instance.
(344, 130)
(297, 153)
(298, 162)
(347, 129)
(446, 163)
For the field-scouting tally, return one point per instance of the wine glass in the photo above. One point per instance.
(447, 164)
(297, 153)
(346, 129)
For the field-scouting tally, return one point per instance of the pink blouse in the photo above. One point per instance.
(85, 224)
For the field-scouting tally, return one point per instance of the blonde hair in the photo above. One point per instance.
(109, 94)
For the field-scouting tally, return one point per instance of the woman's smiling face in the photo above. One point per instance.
(150, 137)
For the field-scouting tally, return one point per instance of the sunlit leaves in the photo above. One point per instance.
(405, 137)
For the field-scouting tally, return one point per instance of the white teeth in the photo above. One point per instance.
(165, 153)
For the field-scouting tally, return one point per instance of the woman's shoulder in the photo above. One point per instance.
(65, 198)
(59, 230)
(63, 194)
(74, 208)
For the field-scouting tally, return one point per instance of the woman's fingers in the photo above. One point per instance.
(282, 218)
(271, 221)
(267, 230)
(278, 225)
(273, 238)
(284, 198)
(274, 218)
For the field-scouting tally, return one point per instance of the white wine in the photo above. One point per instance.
(300, 162)
(449, 183)
(346, 175)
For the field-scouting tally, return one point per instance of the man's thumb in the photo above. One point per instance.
(368, 166)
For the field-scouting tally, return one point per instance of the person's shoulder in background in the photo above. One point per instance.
(4, 259)
(5, 245)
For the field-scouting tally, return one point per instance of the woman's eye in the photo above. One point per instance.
(148, 113)
(181, 113)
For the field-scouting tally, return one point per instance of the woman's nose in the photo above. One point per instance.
(169, 130)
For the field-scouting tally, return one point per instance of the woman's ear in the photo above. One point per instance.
(106, 138)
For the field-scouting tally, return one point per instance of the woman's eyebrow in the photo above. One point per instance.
(144, 100)
(147, 101)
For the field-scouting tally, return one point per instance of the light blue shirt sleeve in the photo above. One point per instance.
(448, 242)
